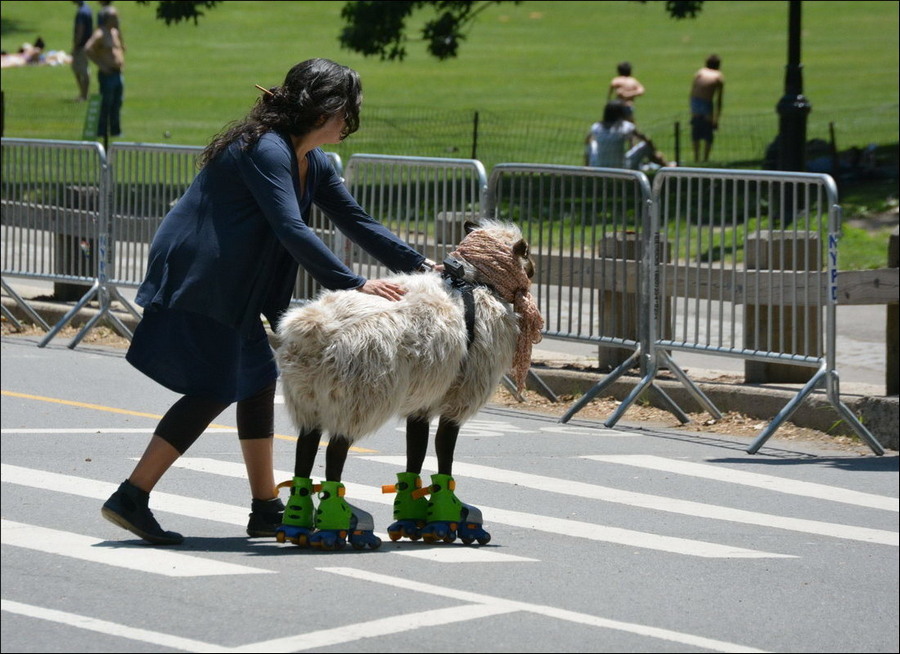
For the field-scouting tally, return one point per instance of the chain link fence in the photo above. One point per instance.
(495, 137)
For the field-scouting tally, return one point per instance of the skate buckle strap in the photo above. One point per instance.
(341, 490)
(433, 488)
(396, 488)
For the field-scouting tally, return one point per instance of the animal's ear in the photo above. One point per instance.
(520, 248)
(470, 226)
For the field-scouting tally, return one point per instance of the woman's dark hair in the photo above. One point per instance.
(313, 90)
(613, 112)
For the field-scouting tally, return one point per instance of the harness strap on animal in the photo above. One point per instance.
(466, 289)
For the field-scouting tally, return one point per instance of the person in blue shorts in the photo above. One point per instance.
(707, 90)
(227, 254)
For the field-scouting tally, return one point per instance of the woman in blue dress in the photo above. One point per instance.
(227, 254)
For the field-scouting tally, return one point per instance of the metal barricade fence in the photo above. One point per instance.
(728, 263)
(424, 200)
(148, 180)
(586, 232)
(746, 266)
(55, 208)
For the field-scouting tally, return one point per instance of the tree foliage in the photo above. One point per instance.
(378, 27)
(374, 28)
(684, 8)
(175, 11)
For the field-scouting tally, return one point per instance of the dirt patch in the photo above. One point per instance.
(98, 335)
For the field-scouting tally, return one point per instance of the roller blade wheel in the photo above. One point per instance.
(439, 531)
(470, 532)
(411, 529)
(299, 536)
(329, 540)
(360, 540)
(471, 526)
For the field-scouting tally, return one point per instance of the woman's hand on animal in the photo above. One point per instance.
(383, 288)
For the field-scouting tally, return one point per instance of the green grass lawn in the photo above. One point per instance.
(546, 63)
(542, 58)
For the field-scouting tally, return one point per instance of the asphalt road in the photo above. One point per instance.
(614, 540)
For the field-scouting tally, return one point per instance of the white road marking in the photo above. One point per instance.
(594, 432)
(101, 490)
(754, 479)
(109, 628)
(503, 605)
(133, 557)
(548, 524)
(458, 553)
(481, 429)
(398, 624)
(105, 430)
(657, 503)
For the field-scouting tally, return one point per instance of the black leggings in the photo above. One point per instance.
(190, 416)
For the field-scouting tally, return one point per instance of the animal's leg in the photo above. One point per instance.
(299, 517)
(335, 457)
(417, 428)
(447, 516)
(335, 517)
(410, 507)
(445, 445)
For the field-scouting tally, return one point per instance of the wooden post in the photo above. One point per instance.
(76, 249)
(770, 328)
(620, 310)
(892, 369)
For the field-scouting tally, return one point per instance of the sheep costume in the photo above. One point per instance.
(350, 362)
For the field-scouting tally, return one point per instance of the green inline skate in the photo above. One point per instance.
(410, 507)
(333, 517)
(448, 518)
(299, 517)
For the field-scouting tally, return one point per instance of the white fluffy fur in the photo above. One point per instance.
(350, 362)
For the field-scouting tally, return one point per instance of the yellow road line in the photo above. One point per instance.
(110, 409)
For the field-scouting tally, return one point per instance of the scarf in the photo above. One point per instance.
(499, 268)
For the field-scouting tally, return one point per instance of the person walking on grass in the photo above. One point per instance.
(82, 30)
(707, 90)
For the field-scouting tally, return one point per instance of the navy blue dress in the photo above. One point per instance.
(228, 253)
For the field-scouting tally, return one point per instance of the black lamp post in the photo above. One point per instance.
(793, 106)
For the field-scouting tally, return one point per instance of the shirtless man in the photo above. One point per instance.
(706, 105)
(106, 50)
(626, 88)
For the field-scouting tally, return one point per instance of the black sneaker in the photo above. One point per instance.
(128, 508)
(265, 517)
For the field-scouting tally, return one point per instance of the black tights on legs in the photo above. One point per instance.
(190, 416)
(308, 447)
(417, 444)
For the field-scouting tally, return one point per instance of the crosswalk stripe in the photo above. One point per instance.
(527, 520)
(101, 490)
(698, 642)
(326, 639)
(656, 502)
(109, 628)
(107, 430)
(754, 479)
(133, 557)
